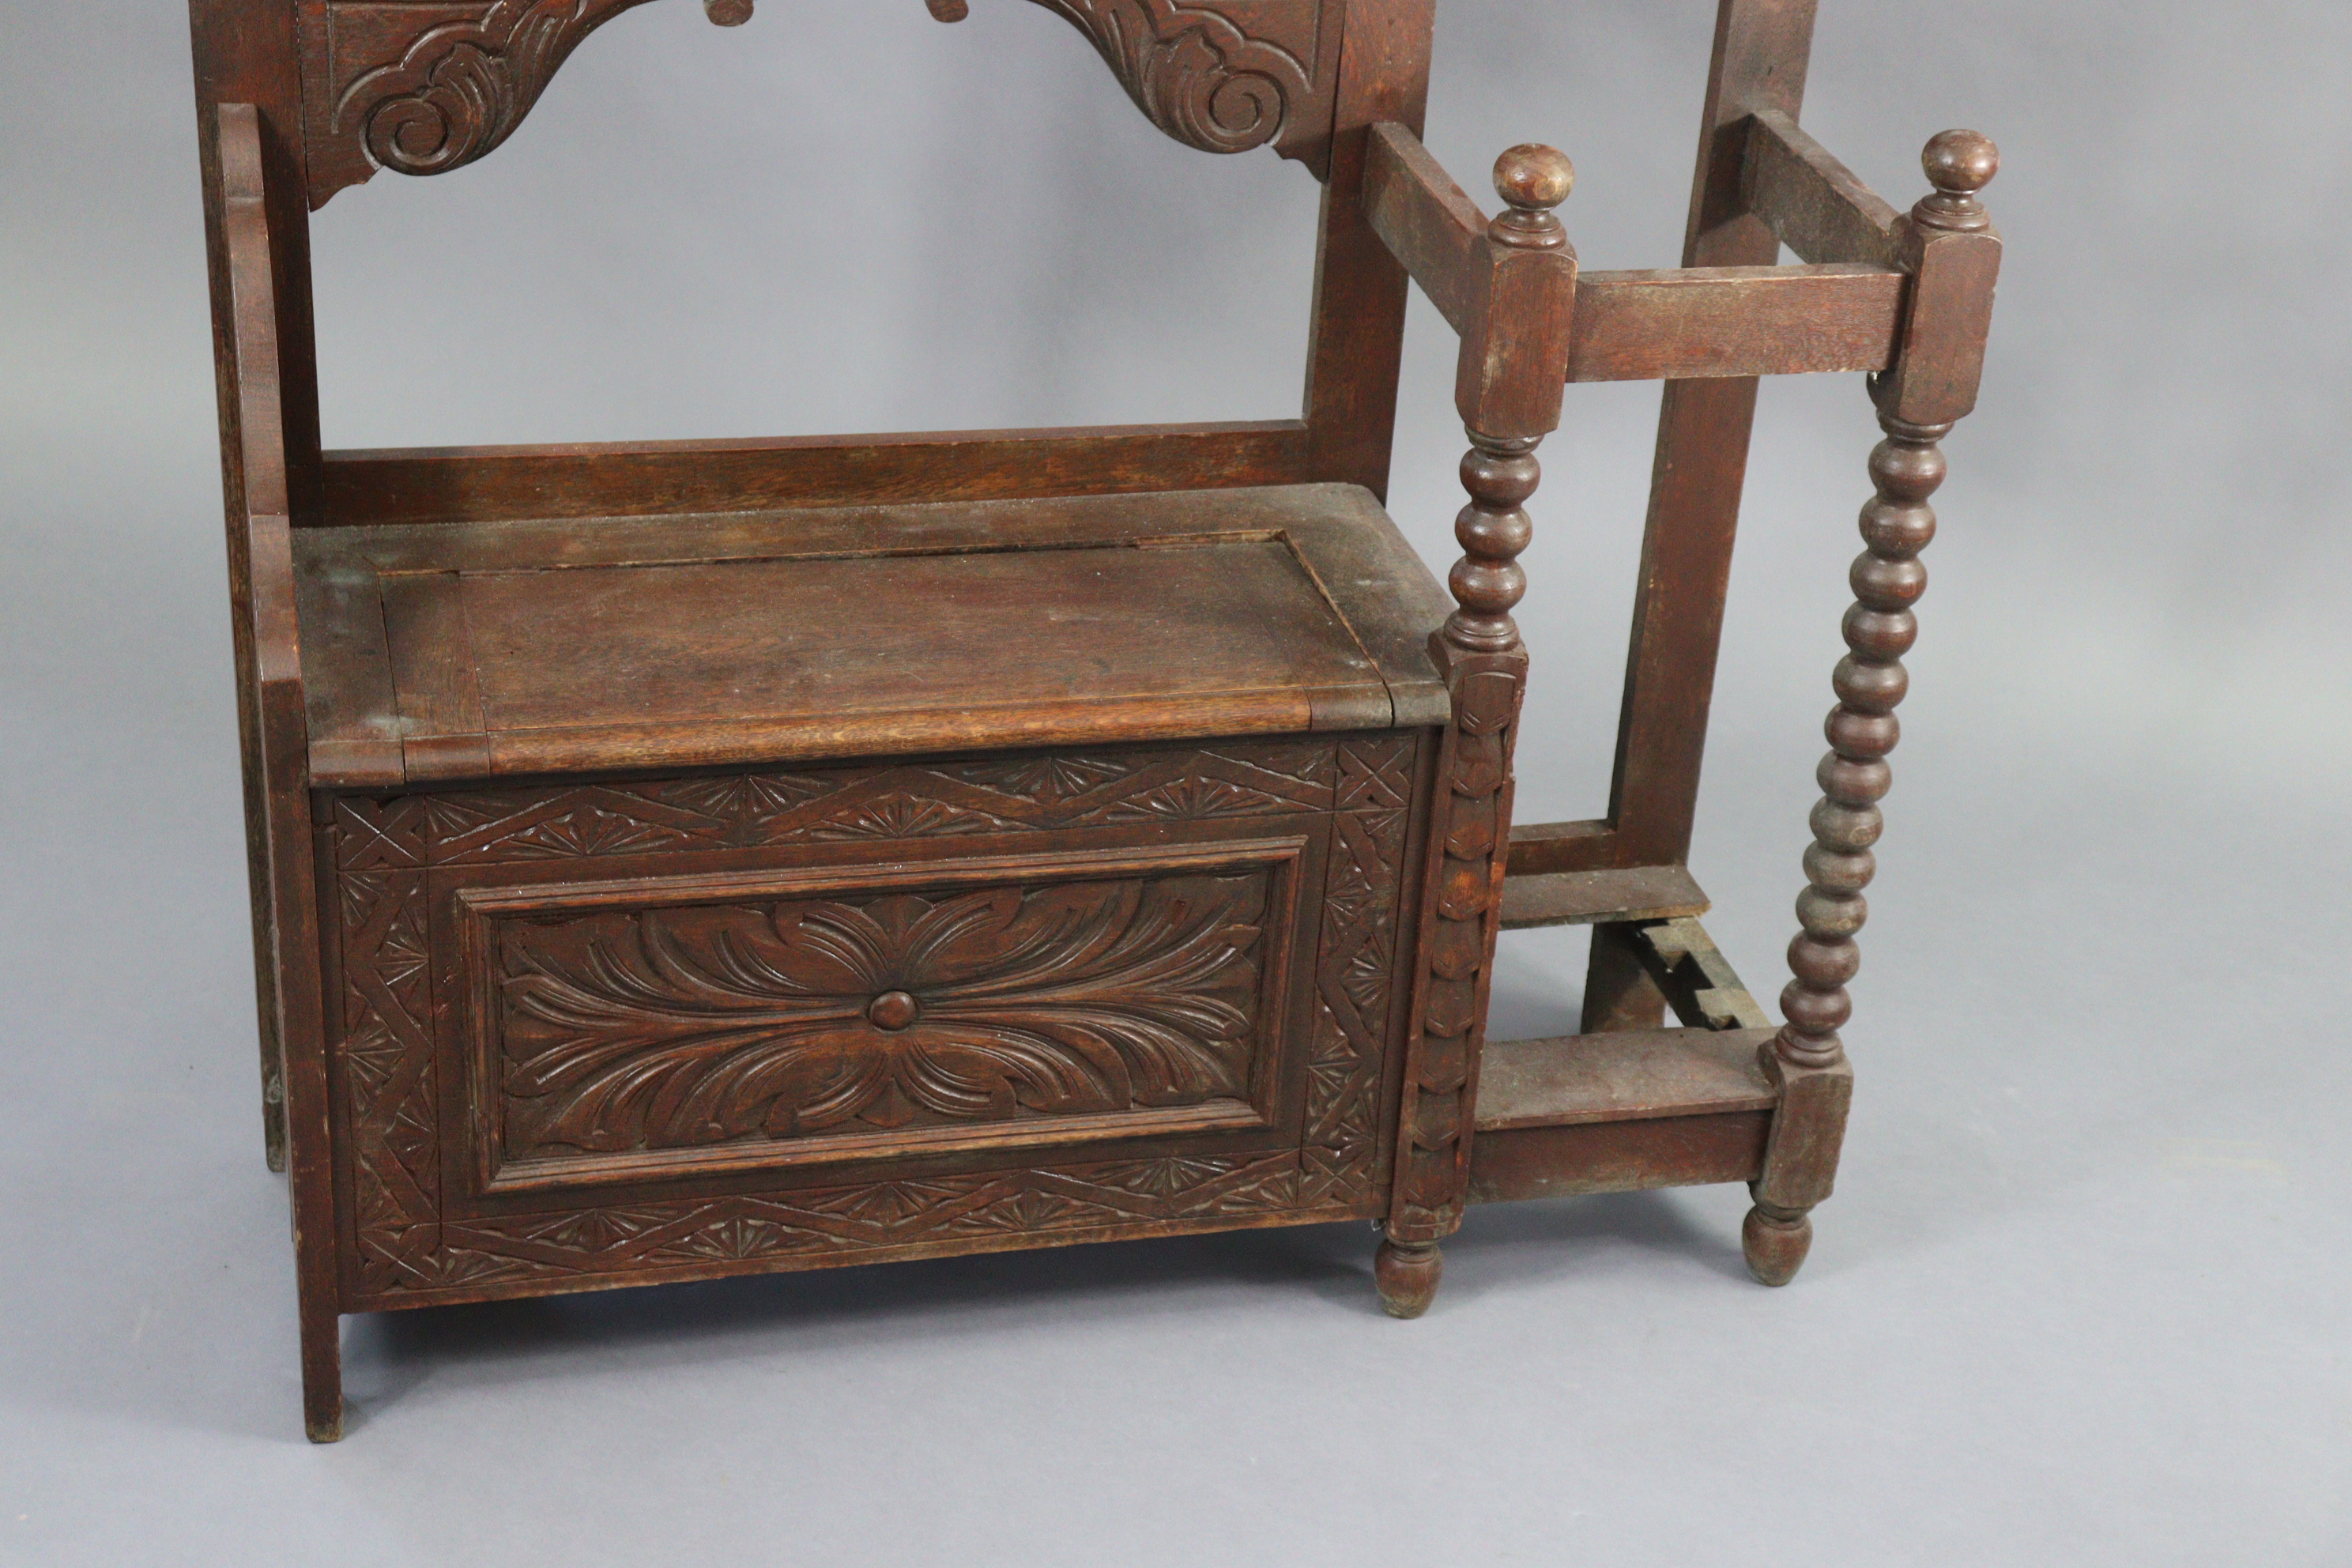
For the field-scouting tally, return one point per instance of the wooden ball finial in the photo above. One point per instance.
(728, 13)
(1533, 177)
(1958, 163)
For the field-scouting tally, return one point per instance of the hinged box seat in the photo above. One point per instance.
(784, 888)
(440, 652)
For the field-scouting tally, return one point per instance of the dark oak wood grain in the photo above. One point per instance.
(481, 484)
(1431, 224)
(1585, 1158)
(285, 903)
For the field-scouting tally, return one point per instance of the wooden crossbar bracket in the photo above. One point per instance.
(1629, 1110)
(1814, 204)
(1630, 1075)
(1842, 310)
(1699, 983)
(1428, 221)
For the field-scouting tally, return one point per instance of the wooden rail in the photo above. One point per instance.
(1429, 223)
(458, 484)
(1693, 323)
(1623, 1111)
(1814, 204)
(1590, 897)
(1842, 312)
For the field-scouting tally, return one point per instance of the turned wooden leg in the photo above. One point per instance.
(1509, 397)
(1407, 1276)
(1953, 255)
(1807, 1058)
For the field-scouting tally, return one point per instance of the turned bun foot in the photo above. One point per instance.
(1407, 1276)
(1776, 1243)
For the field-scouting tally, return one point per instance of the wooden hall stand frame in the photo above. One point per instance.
(682, 859)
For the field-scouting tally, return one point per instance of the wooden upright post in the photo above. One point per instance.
(1507, 387)
(1762, 50)
(1952, 253)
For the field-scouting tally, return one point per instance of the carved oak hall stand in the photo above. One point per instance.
(684, 859)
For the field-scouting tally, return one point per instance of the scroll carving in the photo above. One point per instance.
(422, 91)
(1198, 77)
(425, 89)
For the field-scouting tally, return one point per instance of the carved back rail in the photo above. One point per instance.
(344, 89)
(421, 90)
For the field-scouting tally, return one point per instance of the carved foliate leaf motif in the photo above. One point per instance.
(670, 1028)
(1195, 73)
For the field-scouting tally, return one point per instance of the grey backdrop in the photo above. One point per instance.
(2083, 1296)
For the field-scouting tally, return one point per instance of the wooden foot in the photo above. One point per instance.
(1776, 1241)
(322, 1377)
(1407, 1277)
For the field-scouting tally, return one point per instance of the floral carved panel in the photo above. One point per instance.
(421, 87)
(655, 1033)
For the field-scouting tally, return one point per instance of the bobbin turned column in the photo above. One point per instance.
(1509, 388)
(1953, 255)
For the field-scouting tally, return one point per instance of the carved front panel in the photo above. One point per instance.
(597, 1030)
(661, 1037)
